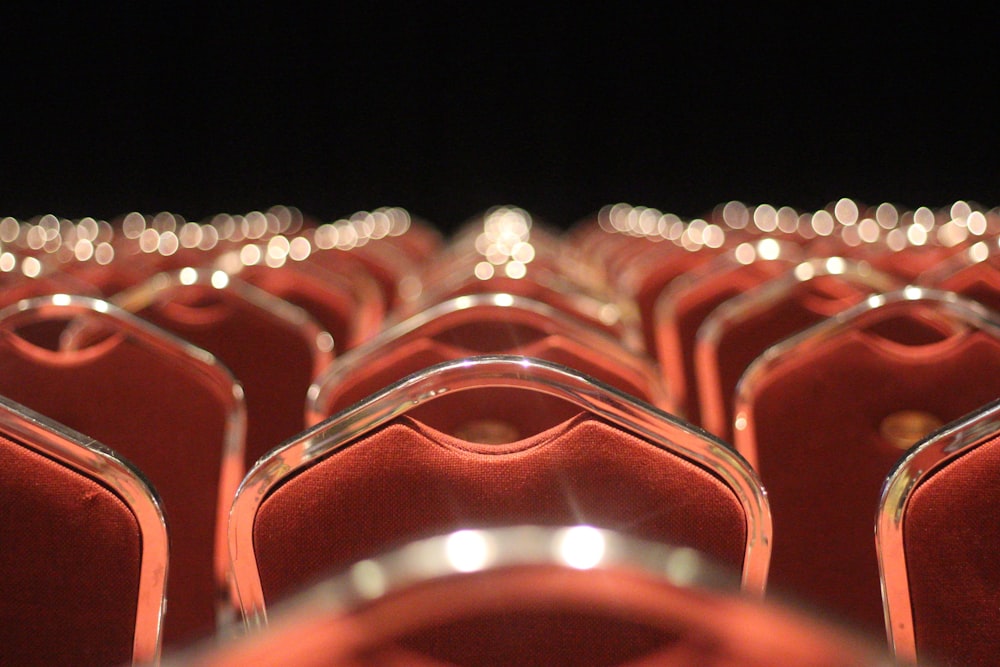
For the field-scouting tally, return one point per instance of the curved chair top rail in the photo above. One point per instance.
(441, 315)
(746, 305)
(657, 427)
(160, 288)
(956, 313)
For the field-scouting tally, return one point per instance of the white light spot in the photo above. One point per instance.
(484, 270)
(220, 279)
(916, 234)
(250, 255)
(187, 276)
(768, 249)
(822, 223)
(61, 299)
(979, 252)
(835, 266)
(83, 250)
(31, 267)
(804, 271)
(515, 270)
(467, 550)
(581, 547)
(745, 253)
(976, 223)
(504, 300)
(369, 579)
(846, 211)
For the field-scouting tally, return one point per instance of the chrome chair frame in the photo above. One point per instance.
(659, 428)
(434, 318)
(81, 308)
(920, 462)
(91, 459)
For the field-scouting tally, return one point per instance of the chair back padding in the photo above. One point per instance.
(170, 413)
(488, 441)
(269, 345)
(813, 412)
(938, 543)
(407, 480)
(69, 565)
(682, 308)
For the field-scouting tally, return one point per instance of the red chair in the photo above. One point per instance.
(938, 542)
(683, 306)
(168, 407)
(974, 273)
(83, 562)
(488, 441)
(740, 329)
(505, 252)
(273, 348)
(537, 596)
(823, 417)
(481, 324)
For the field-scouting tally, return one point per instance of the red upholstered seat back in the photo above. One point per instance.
(815, 436)
(69, 565)
(952, 539)
(165, 416)
(274, 358)
(683, 308)
(351, 310)
(720, 363)
(405, 480)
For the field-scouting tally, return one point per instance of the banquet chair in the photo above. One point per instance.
(168, 407)
(83, 559)
(937, 545)
(347, 304)
(689, 299)
(530, 595)
(824, 416)
(481, 324)
(488, 440)
(504, 251)
(273, 348)
(740, 329)
(974, 273)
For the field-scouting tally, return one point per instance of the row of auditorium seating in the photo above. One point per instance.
(242, 406)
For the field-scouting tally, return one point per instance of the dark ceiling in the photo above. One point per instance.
(446, 110)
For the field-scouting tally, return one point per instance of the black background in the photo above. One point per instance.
(448, 108)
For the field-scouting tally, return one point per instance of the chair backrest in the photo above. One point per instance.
(823, 417)
(273, 348)
(474, 325)
(83, 559)
(683, 306)
(532, 595)
(348, 303)
(740, 329)
(488, 441)
(973, 273)
(168, 407)
(938, 541)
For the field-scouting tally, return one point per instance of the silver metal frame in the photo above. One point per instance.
(919, 463)
(741, 308)
(161, 342)
(438, 317)
(99, 463)
(955, 312)
(665, 309)
(659, 428)
(162, 286)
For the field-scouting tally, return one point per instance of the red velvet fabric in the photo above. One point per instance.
(691, 305)
(332, 305)
(406, 480)
(952, 540)
(410, 356)
(69, 565)
(270, 357)
(816, 419)
(742, 342)
(659, 267)
(162, 416)
(980, 282)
